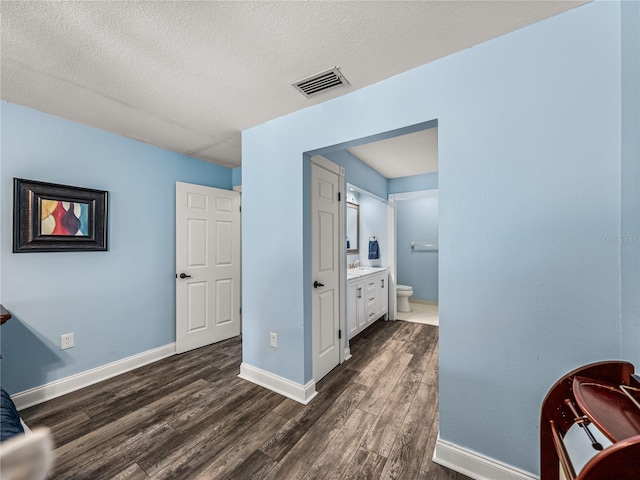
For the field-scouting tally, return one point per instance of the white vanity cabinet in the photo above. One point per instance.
(368, 297)
(383, 295)
(355, 306)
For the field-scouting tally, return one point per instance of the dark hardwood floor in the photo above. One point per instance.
(190, 417)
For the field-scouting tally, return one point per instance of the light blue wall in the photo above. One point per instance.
(373, 213)
(414, 183)
(236, 176)
(529, 182)
(373, 222)
(417, 221)
(630, 227)
(118, 303)
(359, 173)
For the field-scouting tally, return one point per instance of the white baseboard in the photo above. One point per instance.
(475, 465)
(49, 391)
(347, 353)
(423, 302)
(300, 393)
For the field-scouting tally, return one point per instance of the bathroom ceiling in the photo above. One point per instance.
(189, 76)
(411, 154)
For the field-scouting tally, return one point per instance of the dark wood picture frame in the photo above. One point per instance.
(89, 227)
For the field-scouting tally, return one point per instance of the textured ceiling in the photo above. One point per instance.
(189, 76)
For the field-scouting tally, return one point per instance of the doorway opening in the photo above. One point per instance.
(389, 187)
(415, 218)
(207, 265)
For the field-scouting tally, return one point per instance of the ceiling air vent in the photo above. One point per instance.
(321, 82)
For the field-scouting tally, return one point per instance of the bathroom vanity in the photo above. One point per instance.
(367, 297)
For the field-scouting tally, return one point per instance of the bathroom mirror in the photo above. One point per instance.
(353, 227)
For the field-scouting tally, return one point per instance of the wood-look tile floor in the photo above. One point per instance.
(190, 417)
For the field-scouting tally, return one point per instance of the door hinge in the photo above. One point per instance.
(339, 333)
(339, 196)
(240, 310)
(240, 208)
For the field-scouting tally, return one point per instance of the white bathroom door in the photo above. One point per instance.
(207, 265)
(326, 231)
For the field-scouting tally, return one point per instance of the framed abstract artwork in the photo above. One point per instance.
(58, 218)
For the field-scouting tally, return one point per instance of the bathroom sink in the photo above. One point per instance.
(360, 271)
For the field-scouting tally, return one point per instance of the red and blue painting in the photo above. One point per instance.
(49, 217)
(64, 218)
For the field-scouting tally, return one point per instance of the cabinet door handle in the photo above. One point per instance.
(382, 280)
(359, 293)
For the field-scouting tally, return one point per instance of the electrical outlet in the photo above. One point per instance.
(273, 340)
(66, 341)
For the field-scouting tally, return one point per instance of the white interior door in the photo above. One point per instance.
(326, 231)
(207, 265)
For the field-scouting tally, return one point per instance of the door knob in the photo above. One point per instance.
(317, 284)
(184, 275)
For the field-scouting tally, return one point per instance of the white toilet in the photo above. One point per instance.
(404, 292)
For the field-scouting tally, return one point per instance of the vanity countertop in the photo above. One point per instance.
(362, 271)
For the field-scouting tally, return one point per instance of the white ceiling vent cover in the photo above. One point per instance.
(321, 82)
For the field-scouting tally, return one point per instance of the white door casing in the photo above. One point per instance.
(327, 230)
(207, 265)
